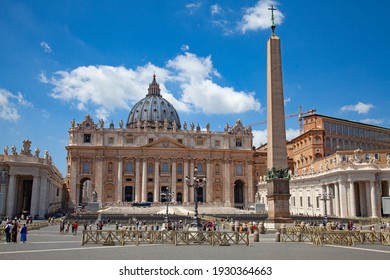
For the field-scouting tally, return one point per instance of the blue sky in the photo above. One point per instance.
(64, 59)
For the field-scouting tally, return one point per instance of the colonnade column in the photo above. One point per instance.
(374, 206)
(73, 181)
(119, 180)
(337, 199)
(10, 201)
(343, 199)
(352, 195)
(156, 180)
(328, 202)
(185, 191)
(43, 196)
(34, 208)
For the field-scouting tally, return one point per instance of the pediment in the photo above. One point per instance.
(166, 143)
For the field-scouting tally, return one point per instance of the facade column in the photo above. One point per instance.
(144, 179)
(352, 195)
(43, 196)
(73, 181)
(156, 194)
(374, 206)
(10, 201)
(137, 181)
(192, 192)
(174, 179)
(367, 192)
(209, 182)
(250, 196)
(185, 188)
(362, 199)
(328, 202)
(119, 187)
(34, 208)
(99, 179)
(227, 186)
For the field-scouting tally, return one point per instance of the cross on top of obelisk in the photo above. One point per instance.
(273, 26)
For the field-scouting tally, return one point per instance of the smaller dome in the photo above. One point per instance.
(153, 111)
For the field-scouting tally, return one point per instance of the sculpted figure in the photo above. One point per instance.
(6, 150)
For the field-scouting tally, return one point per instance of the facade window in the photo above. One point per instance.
(129, 140)
(199, 166)
(300, 201)
(180, 141)
(150, 168)
(87, 138)
(86, 167)
(239, 170)
(179, 168)
(238, 142)
(309, 202)
(129, 167)
(199, 142)
(110, 140)
(317, 201)
(58, 192)
(217, 143)
(217, 169)
(165, 167)
(150, 140)
(109, 169)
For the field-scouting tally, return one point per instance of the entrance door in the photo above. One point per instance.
(239, 194)
(129, 194)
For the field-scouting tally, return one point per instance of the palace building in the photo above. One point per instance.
(30, 184)
(154, 152)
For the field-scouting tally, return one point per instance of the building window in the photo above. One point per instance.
(58, 192)
(180, 141)
(129, 167)
(165, 167)
(129, 140)
(109, 169)
(317, 201)
(238, 142)
(199, 142)
(179, 168)
(150, 168)
(150, 140)
(110, 140)
(199, 166)
(86, 167)
(309, 202)
(217, 143)
(217, 169)
(87, 138)
(239, 170)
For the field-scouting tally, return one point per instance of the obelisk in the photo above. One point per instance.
(278, 187)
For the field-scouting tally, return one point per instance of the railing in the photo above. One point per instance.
(135, 237)
(320, 236)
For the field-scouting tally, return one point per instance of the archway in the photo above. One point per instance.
(239, 194)
(23, 195)
(84, 192)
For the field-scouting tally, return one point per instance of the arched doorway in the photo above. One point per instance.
(23, 195)
(179, 197)
(239, 194)
(84, 192)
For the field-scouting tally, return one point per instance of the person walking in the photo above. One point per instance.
(8, 230)
(23, 234)
(14, 232)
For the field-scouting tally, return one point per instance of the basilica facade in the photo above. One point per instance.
(154, 152)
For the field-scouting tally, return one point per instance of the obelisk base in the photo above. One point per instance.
(278, 196)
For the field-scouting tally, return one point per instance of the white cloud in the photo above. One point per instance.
(106, 88)
(259, 17)
(292, 133)
(46, 47)
(9, 104)
(215, 9)
(373, 121)
(259, 137)
(192, 7)
(360, 108)
(185, 48)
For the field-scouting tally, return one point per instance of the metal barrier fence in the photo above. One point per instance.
(135, 237)
(320, 236)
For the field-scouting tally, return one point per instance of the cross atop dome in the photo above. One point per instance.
(273, 25)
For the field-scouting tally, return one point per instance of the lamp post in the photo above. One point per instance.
(325, 197)
(199, 181)
(167, 196)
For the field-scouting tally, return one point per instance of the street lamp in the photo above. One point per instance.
(167, 196)
(325, 197)
(199, 182)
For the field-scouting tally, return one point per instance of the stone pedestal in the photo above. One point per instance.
(93, 206)
(278, 203)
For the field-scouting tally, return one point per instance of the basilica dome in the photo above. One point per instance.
(153, 111)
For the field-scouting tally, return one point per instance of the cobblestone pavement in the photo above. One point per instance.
(48, 244)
